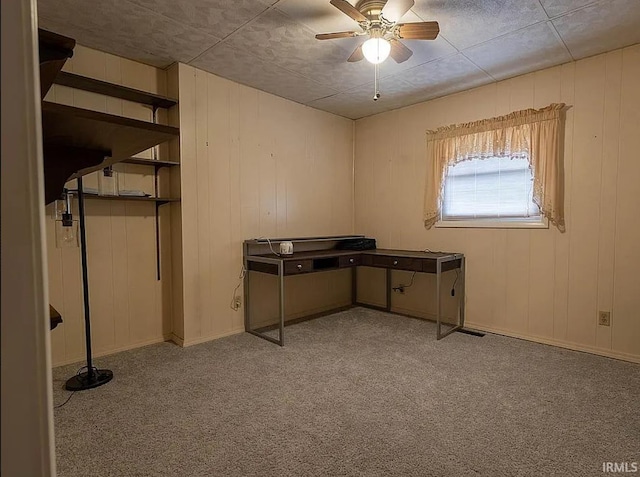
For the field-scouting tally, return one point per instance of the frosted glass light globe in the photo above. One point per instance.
(376, 50)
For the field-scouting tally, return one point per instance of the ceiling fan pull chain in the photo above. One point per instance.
(376, 94)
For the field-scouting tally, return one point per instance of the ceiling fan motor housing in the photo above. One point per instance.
(371, 8)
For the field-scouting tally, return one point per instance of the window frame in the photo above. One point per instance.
(494, 223)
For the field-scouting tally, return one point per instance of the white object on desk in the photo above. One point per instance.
(286, 248)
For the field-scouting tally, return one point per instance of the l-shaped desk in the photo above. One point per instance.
(320, 254)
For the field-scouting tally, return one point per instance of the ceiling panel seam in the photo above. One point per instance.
(248, 22)
(560, 39)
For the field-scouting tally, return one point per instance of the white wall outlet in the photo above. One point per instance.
(604, 318)
(237, 302)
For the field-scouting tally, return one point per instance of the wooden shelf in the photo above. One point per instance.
(116, 136)
(150, 162)
(159, 200)
(117, 91)
(80, 141)
(54, 50)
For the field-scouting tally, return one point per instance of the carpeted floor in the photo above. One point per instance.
(358, 393)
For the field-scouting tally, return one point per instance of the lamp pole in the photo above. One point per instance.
(92, 377)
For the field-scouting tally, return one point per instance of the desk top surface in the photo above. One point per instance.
(378, 251)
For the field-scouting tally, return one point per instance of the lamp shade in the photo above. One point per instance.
(376, 50)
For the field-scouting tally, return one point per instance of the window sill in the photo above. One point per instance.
(492, 224)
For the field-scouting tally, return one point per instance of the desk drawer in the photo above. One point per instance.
(293, 267)
(399, 263)
(350, 261)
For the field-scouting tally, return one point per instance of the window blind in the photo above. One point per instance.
(492, 188)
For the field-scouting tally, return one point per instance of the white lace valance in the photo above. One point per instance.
(532, 133)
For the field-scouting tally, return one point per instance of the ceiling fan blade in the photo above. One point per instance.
(419, 31)
(348, 9)
(399, 52)
(395, 9)
(357, 55)
(331, 36)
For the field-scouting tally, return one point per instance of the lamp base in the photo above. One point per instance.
(83, 381)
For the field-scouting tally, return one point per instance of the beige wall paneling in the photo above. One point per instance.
(585, 212)
(625, 324)
(206, 234)
(223, 207)
(611, 116)
(129, 307)
(535, 284)
(562, 241)
(173, 288)
(189, 202)
(255, 165)
(546, 90)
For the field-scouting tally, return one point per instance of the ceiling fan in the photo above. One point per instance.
(379, 20)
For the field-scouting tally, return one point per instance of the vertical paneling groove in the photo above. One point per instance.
(536, 284)
(608, 194)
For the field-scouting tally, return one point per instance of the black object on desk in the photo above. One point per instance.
(324, 253)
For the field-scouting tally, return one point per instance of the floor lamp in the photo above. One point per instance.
(92, 377)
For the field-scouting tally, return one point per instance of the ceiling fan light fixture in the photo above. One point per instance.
(376, 50)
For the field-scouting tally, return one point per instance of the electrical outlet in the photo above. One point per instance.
(237, 303)
(604, 318)
(399, 290)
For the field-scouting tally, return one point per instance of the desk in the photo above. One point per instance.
(314, 255)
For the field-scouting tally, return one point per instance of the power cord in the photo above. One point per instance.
(234, 305)
(270, 246)
(73, 392)
(68, 399)
(453, 287)
(401, 288)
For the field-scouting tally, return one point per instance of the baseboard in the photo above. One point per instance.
(203, 339)
(561, 344)
(176, 339)
(99, 354)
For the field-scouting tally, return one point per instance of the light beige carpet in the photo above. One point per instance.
(359, 393)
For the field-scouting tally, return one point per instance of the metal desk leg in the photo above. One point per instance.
(247, 317)
(438, 310)
(388, 306)
(462, 291)
(281, 289)
(460, 322)
(354, 285)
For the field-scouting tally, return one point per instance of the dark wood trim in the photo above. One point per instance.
(270, 268)
(312, 261)
(116, 91)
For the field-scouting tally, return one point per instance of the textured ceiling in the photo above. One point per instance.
(270, 44)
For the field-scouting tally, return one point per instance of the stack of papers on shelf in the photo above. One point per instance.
(133, 193)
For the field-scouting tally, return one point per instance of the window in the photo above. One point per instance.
(491, 192)
(497, 191)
